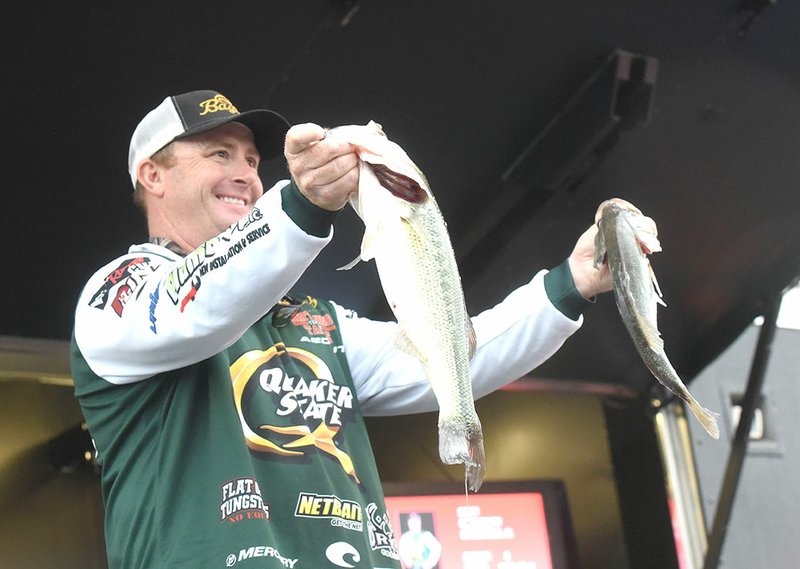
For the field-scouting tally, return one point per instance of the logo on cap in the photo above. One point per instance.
(217, 104)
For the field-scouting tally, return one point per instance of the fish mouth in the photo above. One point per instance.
(619, 205)
(399, 185)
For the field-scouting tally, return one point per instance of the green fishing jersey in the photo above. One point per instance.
(254, 457)
(228, 414)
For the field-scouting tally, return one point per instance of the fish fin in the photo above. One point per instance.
(369, 243)
(403, 343)
(707, 418)
(651, 334)
(660, 298)
(461, 443)
(648, 241)
(350, 265)
(377, 127)
(472, 338)
(599, 246)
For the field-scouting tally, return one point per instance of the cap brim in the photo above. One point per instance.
(268, 128)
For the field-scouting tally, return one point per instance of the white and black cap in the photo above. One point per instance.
(191, 113)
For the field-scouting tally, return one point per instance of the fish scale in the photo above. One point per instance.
(407, 236)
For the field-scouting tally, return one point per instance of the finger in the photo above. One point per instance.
(327, 173)
(334, 192)
(301, 136)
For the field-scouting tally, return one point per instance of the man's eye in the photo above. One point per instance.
(222, 153)
(253, 162)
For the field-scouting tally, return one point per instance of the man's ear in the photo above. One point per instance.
(150, 177)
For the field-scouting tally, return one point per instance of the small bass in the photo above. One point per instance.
(406, 235)
(623, 241)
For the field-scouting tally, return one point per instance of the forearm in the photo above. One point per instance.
(514, 337)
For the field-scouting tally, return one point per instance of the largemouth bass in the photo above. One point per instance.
(623, 240)
(406, 235)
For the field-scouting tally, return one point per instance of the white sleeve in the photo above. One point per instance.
(514, 337)
(152, 311)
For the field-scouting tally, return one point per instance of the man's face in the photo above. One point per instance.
(212, 182)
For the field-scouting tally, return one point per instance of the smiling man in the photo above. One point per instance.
(226, 410)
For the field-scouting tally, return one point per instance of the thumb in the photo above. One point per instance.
(301, 136)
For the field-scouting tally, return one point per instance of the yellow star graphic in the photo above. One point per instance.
(322, 438)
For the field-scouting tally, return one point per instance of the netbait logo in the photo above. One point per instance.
(341, 513)
(241, 500)
(256, 552)
(217, 104)
(312, 399)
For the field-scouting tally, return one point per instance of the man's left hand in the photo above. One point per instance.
(590, 281)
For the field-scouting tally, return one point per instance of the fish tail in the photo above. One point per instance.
(706, 417)
(461, 443)
(666, 374)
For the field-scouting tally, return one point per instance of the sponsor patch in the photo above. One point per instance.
(341, 513)
(183, 282)
(381, 537)
(124, 280)
(316, 325)
(342, 554)
(217, 104)
(242, 500)
(256, 552)
(300, 413)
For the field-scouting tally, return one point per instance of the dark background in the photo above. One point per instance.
(711, 151)
(524, 116)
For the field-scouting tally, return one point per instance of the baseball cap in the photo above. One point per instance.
(194, 112)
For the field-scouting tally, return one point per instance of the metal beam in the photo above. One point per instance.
(733, 470)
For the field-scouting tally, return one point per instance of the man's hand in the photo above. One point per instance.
(325, 170)
(588, 280)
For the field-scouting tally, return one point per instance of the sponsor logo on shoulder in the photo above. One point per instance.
(126, 278)
(341, 513)
(182, 283)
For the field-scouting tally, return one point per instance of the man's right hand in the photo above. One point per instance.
(325, 170)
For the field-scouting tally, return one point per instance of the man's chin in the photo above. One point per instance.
(232, 215)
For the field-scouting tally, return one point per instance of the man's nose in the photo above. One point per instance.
(244, 173)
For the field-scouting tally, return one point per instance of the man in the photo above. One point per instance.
(227, 412)
(419, 548)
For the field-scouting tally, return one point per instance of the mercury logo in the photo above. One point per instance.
(260, 551)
